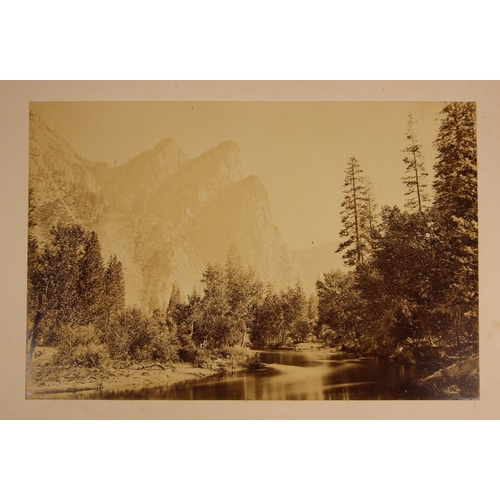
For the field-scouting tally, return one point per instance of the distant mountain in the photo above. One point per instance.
(164, 215)
(242, 214)
(314, 262)
(127, 185)
(182, 197)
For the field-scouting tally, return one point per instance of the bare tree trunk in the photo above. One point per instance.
(33, 334)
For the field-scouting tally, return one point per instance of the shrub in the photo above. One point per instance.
(328, 336)
(134, 336)
(81, 346)
(201, 358)
(91, 356)
(164, 347)
(118, 342)
(187, 354)
(197, 356)
(241, 357)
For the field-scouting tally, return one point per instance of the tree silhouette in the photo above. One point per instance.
(357, 215)
(416, 174)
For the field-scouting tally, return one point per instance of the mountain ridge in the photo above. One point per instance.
(156, 210)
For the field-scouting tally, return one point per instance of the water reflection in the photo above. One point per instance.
(289, 375)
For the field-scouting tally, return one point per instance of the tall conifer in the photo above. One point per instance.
(357, 215)
(416, 174)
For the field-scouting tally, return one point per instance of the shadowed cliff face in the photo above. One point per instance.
(164, 215)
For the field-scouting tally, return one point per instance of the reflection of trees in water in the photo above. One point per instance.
(330, 377)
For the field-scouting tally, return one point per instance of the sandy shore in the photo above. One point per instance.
(43, 381)
(118, 379)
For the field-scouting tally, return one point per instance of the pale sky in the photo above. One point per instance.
(299, 150)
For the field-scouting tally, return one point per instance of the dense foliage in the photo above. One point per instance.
(77, 304)
(418, 289)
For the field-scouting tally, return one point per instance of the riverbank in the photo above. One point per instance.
(309, 346)
(459, 380)
(44, 379)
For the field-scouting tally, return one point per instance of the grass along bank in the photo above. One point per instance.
(47, 376)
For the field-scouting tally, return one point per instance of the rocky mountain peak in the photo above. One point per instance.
(196, 184)
(164, 215)
(224, 159)
(126, 184)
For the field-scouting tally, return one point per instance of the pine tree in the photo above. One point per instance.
(175, 300)
(114, 289)
(60, 300)
(372, 215)
(91, 282)
(416, 174)
(455, 209)
(357, 215)
(455, 181)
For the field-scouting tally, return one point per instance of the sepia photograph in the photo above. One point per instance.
(251, 250)
(243, 237)
(246, 237)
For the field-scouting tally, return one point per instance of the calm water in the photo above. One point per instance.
(289, 375)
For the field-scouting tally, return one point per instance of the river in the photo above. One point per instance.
(290, 375)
